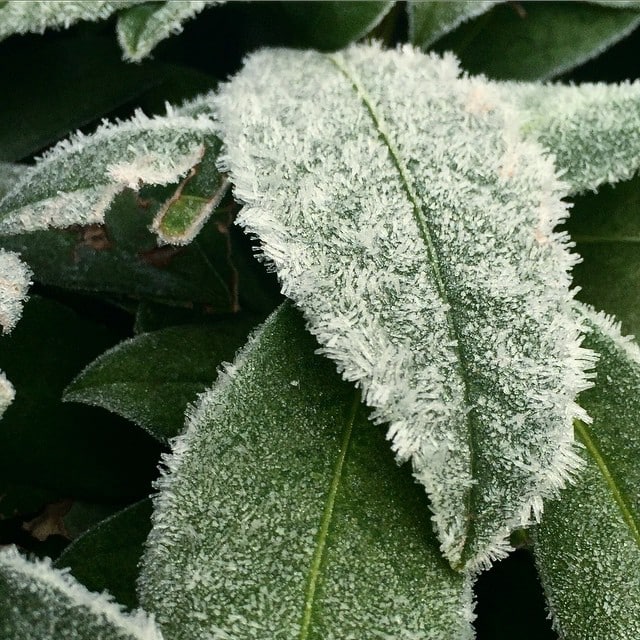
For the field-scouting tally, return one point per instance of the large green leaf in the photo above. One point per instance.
(588, 545)
(151, 378)
(431, 19)
(538, 40)
(105, 558)
(283, 514)
(606, 229)
(414, 229)
(141, 28)
(37, 601)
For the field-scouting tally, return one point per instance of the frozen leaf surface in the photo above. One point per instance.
(15, 278)
(430, 20)
(283, 514)
(414, 228)
(7, 393)
(9, 174)
(588, 545)
(140, 29)
(37, 601)
(592, 129)
(34, 16)
(76, 181)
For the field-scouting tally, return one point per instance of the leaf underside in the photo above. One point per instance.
(413, 226)
(283, 514)
(588, 545)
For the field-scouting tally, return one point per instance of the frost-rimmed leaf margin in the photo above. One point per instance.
(587, 547)
(351, 169)
(76, 181)
(281, 512)
(52, 600)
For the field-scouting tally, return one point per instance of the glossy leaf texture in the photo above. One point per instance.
(37, 601)
(76, 181)
(141, 28)
(429, 20)
(151, 378)
(37, 15)
(588, 545)
(539, 40)
(593, 130)
(282, 513)
(448, 304)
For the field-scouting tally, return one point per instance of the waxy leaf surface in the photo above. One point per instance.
(414, 227)
(588, 545)
(38, 601)
(283, 515)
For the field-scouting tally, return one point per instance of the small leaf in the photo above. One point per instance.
(38, 601)
(15, 278)
(151, 378)
(105, 558)
(593, 130)
(430, 20)
(141, 28)
(588, 545)
(414, 229)
(538, 40)
(75, 182)
(7, 393)
(35, 16)
(284, 515)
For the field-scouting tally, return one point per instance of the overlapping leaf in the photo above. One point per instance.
(283, 514)
(414, 228)
(37, 601)
(588, 545)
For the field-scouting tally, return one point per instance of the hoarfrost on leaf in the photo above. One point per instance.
(414, 226)
(15, 278)
(38, 601)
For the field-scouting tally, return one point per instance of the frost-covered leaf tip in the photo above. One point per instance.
(414, 226)
(15, 278)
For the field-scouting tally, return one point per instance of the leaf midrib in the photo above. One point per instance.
(596, 454)
(434, 262)
(325, 522)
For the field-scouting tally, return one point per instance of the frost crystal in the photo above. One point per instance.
(38, 601)
(414, 226)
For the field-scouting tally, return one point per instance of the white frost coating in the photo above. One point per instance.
(10, 174)
(592, 129)
(414, 227)
(34, 16)
(137, 41)
(15, 278)
(63, 604)
(7, 393)
(76, 181)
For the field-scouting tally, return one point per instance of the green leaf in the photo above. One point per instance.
(588, 545)
(414, 229)
(606, 229)
(151, 378)
(430, 20)
(141, 28)
(538, 40)
(38, 601)
(284, 515)
(105, 558)
(330, 25)
(593, 130)
(75, 182)
(122, 257)
(35, 16)
(73, 450)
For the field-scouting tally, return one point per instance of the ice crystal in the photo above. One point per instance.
(414, 226)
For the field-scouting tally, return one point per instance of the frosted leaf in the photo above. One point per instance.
(592, 129)
(10, 174)
(7, 393)
(414, 228)
(76, 181)
(38, 601)
(588, 545)
(15, 278)
(140, 29)
(35, 16)
(429, 20)
(283, 515)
